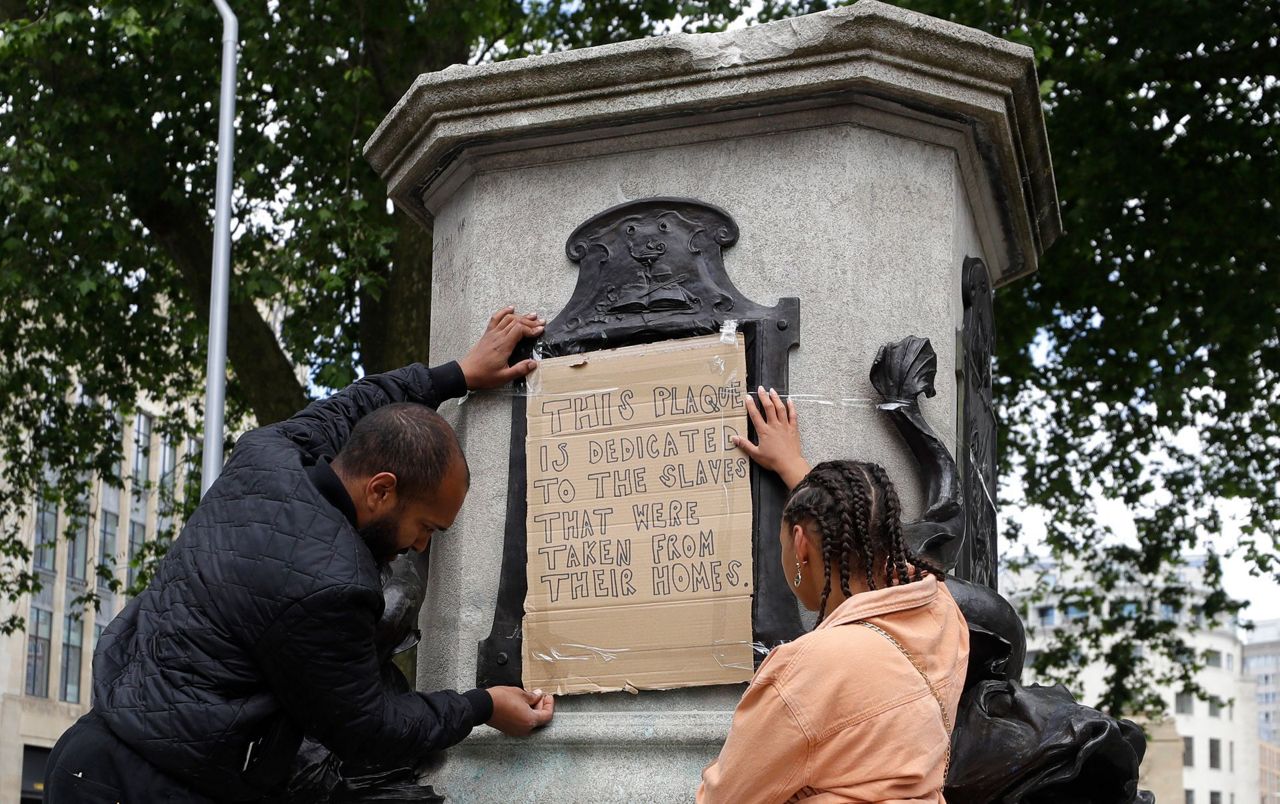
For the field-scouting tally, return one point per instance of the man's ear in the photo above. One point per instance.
(380, 493)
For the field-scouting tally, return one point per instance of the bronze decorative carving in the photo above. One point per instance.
(977, 559)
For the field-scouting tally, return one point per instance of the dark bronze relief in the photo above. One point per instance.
(977, 560)
(1011, 743)
(900, 373)
(653, 270)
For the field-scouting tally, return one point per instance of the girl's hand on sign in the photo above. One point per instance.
(778, 432)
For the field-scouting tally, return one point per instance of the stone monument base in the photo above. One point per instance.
(590, 756)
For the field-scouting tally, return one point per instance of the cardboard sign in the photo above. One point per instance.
(639, 519)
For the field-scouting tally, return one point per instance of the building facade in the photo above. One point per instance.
(1262, 663)
(45, 670)
(1269, 773)
(1211, 754)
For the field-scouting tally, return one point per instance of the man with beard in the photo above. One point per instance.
(259, 624)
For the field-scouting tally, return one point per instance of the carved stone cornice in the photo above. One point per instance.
(925, 67)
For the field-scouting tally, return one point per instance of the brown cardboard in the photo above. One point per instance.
(639, 519)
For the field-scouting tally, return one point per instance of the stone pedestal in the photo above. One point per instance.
(864, 153)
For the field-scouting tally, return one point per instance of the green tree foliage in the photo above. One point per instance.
(1139, 364)
(108, 122)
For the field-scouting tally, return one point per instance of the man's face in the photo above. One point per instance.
(393, 524)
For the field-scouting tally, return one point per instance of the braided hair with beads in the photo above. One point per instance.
(856, 512)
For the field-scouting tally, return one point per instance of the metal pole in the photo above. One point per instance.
(215, 394)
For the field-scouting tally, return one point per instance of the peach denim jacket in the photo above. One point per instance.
(840, 715)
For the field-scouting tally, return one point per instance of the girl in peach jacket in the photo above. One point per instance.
(860, 709)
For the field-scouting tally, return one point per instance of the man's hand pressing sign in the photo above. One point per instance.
(518, 712)
(485, 366)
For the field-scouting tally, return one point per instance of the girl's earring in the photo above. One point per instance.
(797, 578)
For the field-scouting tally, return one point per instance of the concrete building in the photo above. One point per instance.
(1269, 772)
(1215, 756)
(45, 674)
(1262, 663)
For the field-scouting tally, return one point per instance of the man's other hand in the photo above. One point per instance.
(485, 366)
(517, 712)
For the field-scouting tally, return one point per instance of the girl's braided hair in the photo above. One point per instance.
(856, 513)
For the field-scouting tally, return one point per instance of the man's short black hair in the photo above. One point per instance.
(410, 441)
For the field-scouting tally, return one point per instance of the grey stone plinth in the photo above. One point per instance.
(646, 756)
(864, 153)
(970, 81)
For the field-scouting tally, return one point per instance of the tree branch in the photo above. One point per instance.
(265, 373)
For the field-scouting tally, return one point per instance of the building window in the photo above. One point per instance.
(106, 610)
(1215, 708)
(1189, 797)
(46, 555)
(1215, 755)
(39, 632)
(168, 482)
(1125, 608)
(72, 645)
(78, 550)
(1047, 615)
(107, 546)
(168, 461)
(1215, 797)
(1231, 755)
(1184, 704)
(137, 535)
(1188, 753)
(35, 763)
(141, 452)
(1076, 613)
(1169, 612)
(1213, 658)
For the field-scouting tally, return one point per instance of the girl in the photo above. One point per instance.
(861, 708)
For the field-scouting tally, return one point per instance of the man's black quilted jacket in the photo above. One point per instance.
(260, 621)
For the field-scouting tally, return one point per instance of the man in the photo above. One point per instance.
(259, 625)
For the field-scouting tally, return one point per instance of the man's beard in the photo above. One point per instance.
(380, 537)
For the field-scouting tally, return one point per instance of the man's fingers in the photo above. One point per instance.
(544, 710)
(521, 369)
(792, 416)
(512, 332)
(532, 697)
(519, 328)
(496, 319)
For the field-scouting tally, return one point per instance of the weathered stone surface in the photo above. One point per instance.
(633, 757)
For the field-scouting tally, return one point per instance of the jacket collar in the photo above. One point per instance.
(865, 605)
(330, 487)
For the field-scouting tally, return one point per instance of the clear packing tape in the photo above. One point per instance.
(800, 399)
